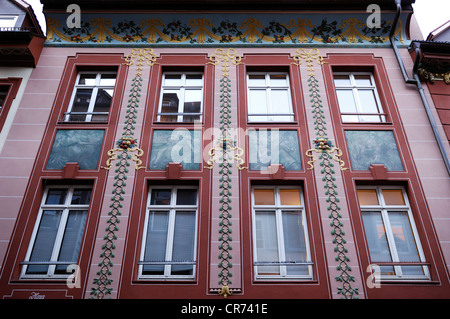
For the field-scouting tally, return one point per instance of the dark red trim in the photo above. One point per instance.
(13, 84)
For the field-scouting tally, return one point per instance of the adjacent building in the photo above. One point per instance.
(214, 149)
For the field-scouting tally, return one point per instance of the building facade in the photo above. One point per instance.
(274, 151)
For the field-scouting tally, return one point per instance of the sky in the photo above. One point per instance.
(430, 14)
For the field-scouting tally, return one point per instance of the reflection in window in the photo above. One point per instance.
(181, 97)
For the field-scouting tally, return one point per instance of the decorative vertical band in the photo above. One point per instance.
(324, 147)
(125, 145)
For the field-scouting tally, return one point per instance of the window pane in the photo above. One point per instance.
(186, 197)
(404, 242)
(170, 103)
(73, 235)
(257, 80)
(156, 241)
(160, 197)
(194, 80)
(290, 197)
(258, 104)
(368, 101)
(346, 101)
(341, 80)
(281, 105)
(56, 196)
(183, 242)
(393, 197)
(264, 197)
(278, 80)
(376, 238)
(294, 242)
(87, 79)
(192, 104)
(363, 79)
(266, 242)
(45, 240)
(102, 104)
(81, 196)
(108, 80)
(367, 197)
(81, 104)
(172, 80)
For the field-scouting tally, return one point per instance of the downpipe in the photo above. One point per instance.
(415, 80)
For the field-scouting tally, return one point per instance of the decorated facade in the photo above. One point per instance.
(174, 150)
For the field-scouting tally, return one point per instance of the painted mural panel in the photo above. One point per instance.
(373, 147)
(274, 147)
(82, 146)
(176, 146)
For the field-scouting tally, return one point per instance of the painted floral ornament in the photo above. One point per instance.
(127, 143)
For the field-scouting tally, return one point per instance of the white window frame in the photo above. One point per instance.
(384, 210)
(182, 87)
(278, 208)
(381, 114)
(93, 99)
(65, 208)
(271, 115)
(172, 208)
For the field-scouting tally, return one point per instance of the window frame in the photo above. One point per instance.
(90, 111)
(384, 211)
(271, 115)
(278, 210)
(172, 210)
(381, 114)
(65, 209)
(183, 87)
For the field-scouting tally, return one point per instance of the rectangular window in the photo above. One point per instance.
(181, 97)
(7, 22)
(269, 98)
(391, 233)
(57, 235)
(3, 93)
(91, 98)
(358, 97)
(170, 234)
(280, 235)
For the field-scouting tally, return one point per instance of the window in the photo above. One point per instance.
(280, 236)
(3, 93)
(8, 22)
(181, 97)
(169, 243)
(269, 98)
(57, 235)
(91, 98)
(358, 98)
(391, 233)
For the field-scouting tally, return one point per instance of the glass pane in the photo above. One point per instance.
(278, 80)
(266, 242)
(102, 104)
(294, 242)
(258, 104)
(405, 242)
(186, 197)
(170, 103)
(73, 235)
(346, 101)
(56, 196)
(45, 240)
(81, 196)
(377, 240)
(172, 80)
(264, 197)
(194, 80)
(81, 104)
(341, 80)
(367, 197)
(183, 242)
(257, 80)
(108, 80)
(160, 197)
(290, 197)
(156, 241)
(87, 79)
(393, 197)
(368, 104)
(281, 105)
(192, 104)
(363, 79)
